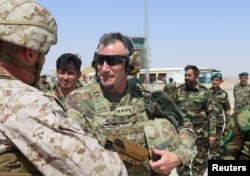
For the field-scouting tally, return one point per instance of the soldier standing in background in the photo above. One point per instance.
(170, 88)
(192, 99)
(220, 96)
(242, 92)
(235, 140)
(68, 73)
(112, 105)
(37, 137)
(43, 85)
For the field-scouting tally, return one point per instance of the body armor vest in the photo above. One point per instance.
(125, 118)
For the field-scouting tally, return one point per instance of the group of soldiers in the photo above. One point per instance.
(109, 127)
(231, 130)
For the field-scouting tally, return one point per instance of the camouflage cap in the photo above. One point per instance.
(243, 74)
(216, 75)
(26, 23)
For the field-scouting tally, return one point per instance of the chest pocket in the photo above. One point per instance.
(124, 120)
(198, 104)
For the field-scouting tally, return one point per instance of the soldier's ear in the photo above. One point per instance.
(29, 55)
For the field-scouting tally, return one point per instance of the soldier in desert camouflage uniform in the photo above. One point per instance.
(241, 92)
(235, 140)
(115, 105)
(68, 73)
(37, 137)
(220, 96)
(192, 99)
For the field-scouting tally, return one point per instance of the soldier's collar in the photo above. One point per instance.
(216, 90)
(5, 73)
(194, 87)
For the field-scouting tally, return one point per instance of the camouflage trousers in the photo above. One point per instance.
(213, 151)
(198, 165)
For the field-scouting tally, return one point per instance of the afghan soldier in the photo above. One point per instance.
(242, 92)
(235, 140)
(68, 73)
(116, 106)
(170, 88)
(192, 99)
(37, 137)
(220, 96)
(43, 85)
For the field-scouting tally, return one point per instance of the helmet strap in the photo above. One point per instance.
(38, 68)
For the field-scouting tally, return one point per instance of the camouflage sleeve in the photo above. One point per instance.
(227, 108)
(80, 108)
(231, 141)
(187, 149)
(211, 112)
(40, 129)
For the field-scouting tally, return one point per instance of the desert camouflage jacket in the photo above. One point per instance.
(101, 112)
(195, 105)
(235, 140)
(241, 96)
(38, 127)
(223, 108)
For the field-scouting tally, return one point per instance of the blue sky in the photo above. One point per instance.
(206, 33)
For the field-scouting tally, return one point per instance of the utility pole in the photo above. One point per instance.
(146, 39)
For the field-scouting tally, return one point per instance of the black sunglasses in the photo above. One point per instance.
(110, 59)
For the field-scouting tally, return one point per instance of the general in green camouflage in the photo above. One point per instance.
(241, 96)
(194, 103)
(235, 141)
(100, 114)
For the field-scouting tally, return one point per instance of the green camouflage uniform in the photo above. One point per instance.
(241, 96)
(44, 87)
(235, 140)
(195, 105)
(58, 95)
(101, 114)
(170, 89)
(224, 110)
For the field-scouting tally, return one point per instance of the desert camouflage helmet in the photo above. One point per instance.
(26, 23)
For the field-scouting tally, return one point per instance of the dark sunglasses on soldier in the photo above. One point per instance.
(110, 59)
